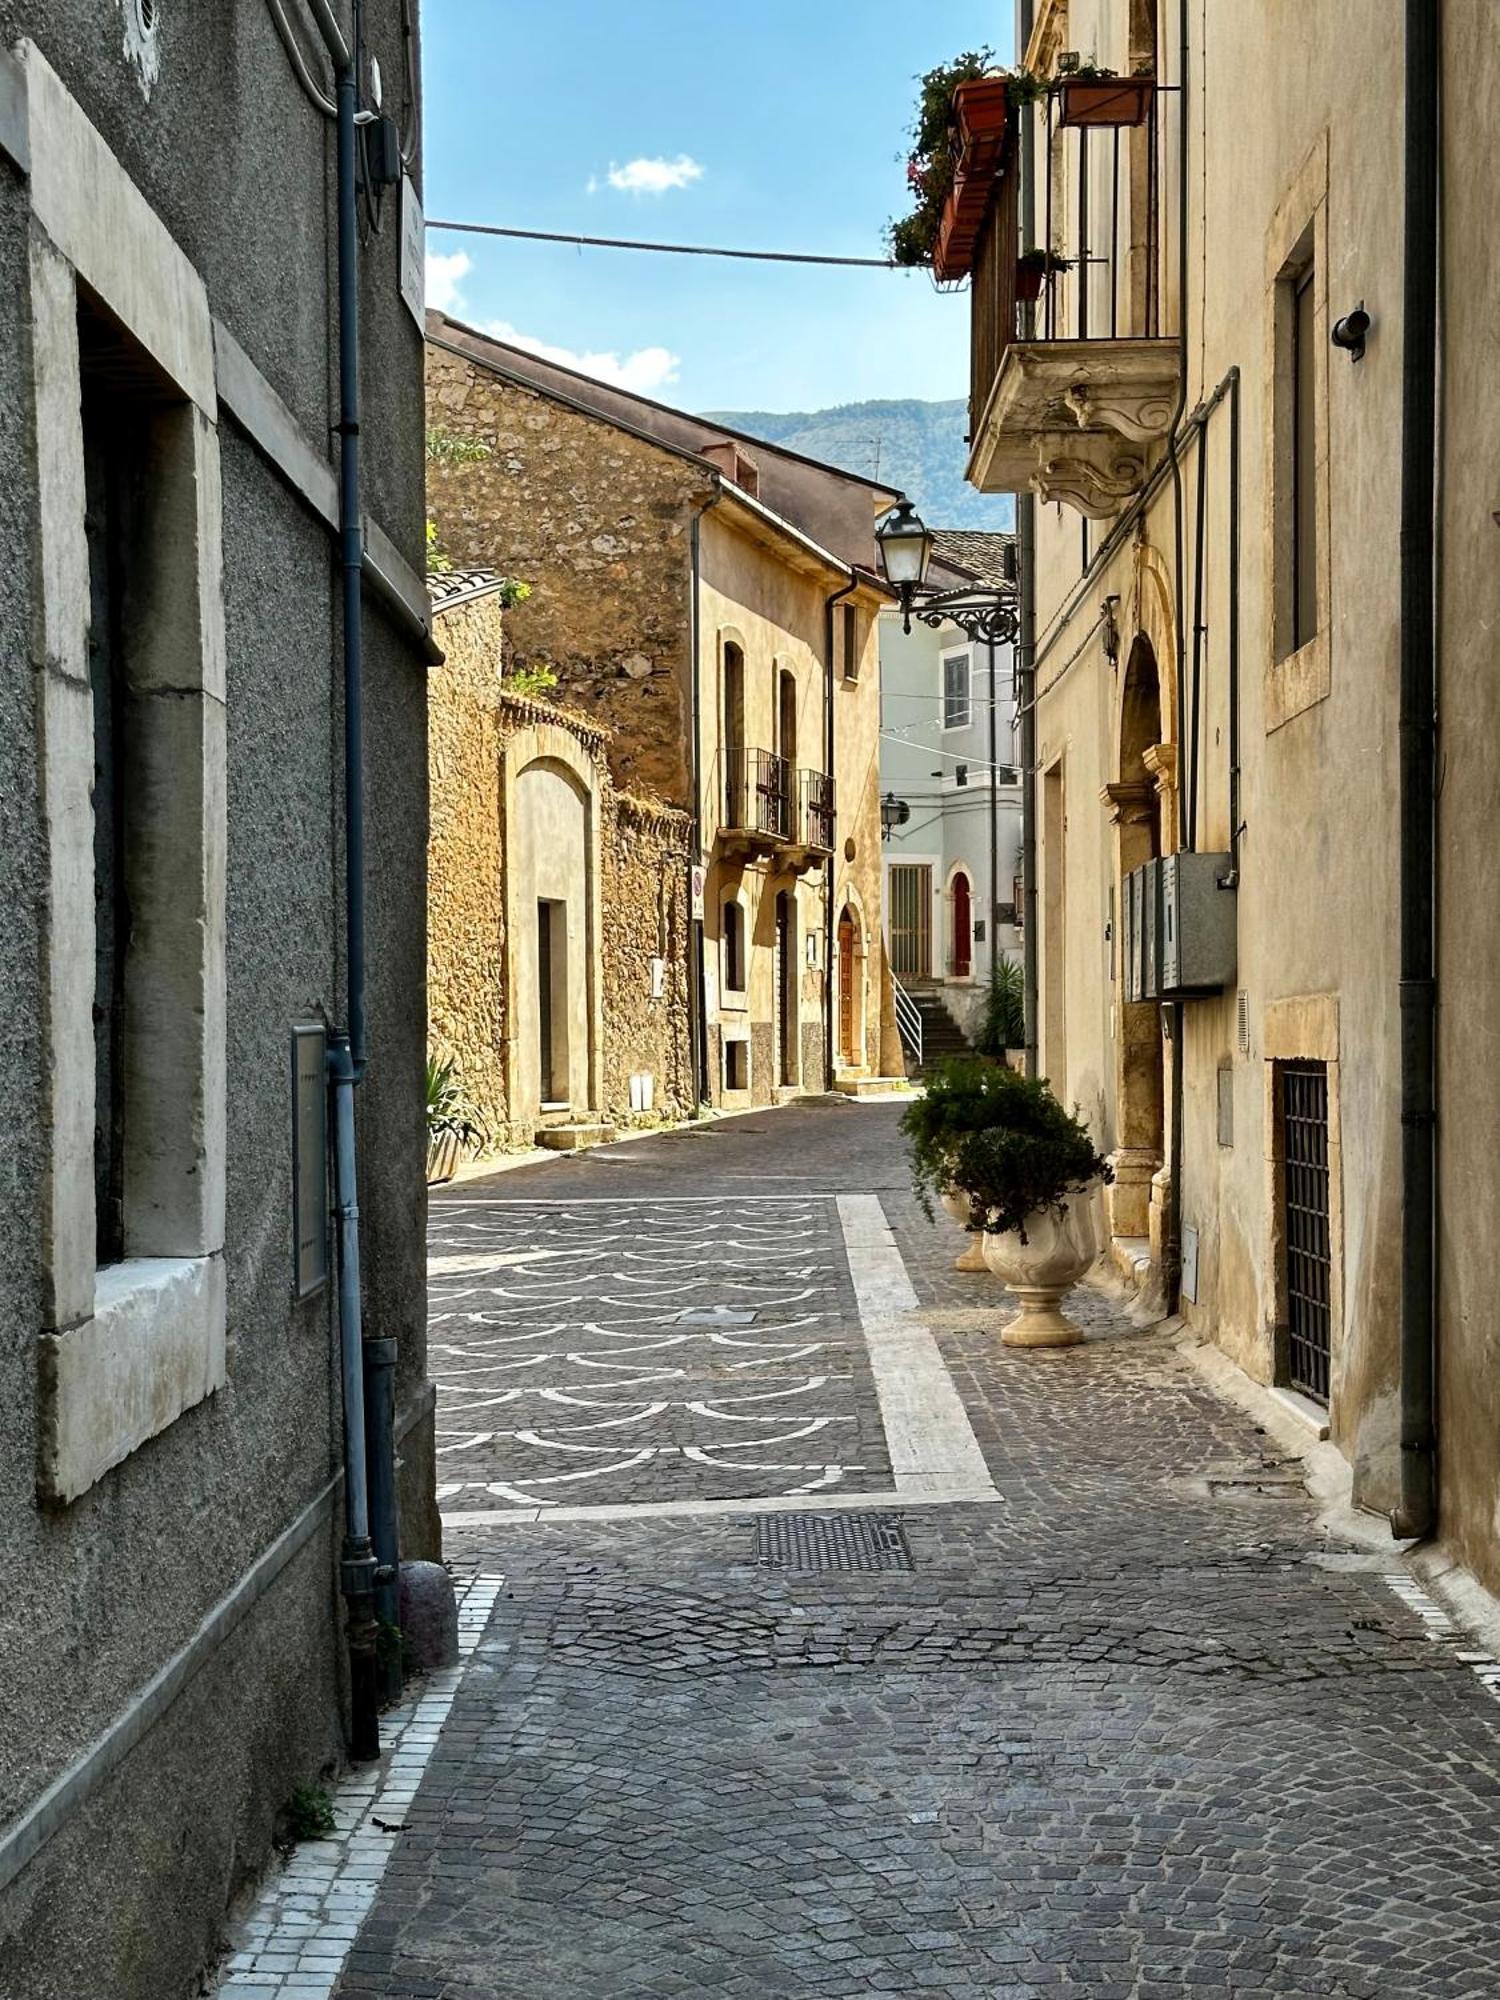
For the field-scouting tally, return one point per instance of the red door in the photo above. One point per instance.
(962, 927)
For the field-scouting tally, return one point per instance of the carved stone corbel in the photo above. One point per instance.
(1092, 471)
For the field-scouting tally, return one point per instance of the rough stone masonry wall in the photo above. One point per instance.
(599, 524)
(645, 870)
(465, 922)
(643, 866)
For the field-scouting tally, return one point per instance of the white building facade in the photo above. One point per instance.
(948, 756)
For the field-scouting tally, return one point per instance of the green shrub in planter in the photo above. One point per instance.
(1030, 1159)
(964, 1095)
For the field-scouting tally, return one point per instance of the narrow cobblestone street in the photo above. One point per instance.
(761, 1710)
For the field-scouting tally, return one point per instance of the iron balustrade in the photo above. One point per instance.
(758, 793)
(1100, 190)
(817, 810)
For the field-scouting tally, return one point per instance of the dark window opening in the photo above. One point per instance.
(1306, 1226)
(851, 643)
(737, 1065)
(734, 948)
(1304, 460)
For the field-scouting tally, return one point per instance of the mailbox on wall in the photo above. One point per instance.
(1179, 931)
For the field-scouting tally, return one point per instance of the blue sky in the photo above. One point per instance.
(774, 126)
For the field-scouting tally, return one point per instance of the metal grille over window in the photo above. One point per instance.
(1305, 1220)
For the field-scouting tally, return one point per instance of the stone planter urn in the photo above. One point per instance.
(1040, 1271)
(957, 1205)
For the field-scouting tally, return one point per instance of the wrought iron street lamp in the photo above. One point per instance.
(894, 812)
(987, 614)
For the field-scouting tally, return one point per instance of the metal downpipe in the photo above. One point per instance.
(1025, 654)
(1417, 1513)
(369, 1568)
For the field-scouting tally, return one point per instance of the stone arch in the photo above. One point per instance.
(550, 839)
(1137, 800)
(958, 900)
(851, 979)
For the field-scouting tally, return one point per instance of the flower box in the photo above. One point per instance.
(980, 108)
(1105, 100)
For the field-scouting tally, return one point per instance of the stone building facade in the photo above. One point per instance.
(711, 602)
(1209, 427)
(171, 871)
(562, 1021)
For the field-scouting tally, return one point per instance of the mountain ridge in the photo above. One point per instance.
(901, 441)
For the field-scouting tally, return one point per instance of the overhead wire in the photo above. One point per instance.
(669, 249)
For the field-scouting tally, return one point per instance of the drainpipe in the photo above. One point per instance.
(368, 1567)
(1174, 1010)
(830, 866)
(1025, 655)
(1417, 1512)
(697, 998)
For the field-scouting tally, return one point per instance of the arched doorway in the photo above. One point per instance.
(851, 1035)
(1135, 802)
(961, 957)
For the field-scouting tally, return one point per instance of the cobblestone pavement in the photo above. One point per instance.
(601, 1351)
(1134, 1728)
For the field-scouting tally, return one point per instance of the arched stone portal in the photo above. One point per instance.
(1135, 802)
(850, 990)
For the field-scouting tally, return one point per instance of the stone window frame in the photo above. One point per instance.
(736, 1038)
(127, 1348)
(1298, 236)
(1302, 1028)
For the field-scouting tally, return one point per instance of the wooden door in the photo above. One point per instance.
(963, 927)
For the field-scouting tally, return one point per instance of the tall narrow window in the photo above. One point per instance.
(735, 801)
(1304, 460)
(107, 458)
(851, 643)
(734, 948)
(957, 707)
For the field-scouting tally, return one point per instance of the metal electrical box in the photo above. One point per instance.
(1198, 925)
(1140, 946)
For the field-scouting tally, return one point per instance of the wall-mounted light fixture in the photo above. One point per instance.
(1350, 332)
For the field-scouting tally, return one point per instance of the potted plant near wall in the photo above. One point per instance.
(1032, 1176)
(1033, 267)
(453, 1126)
(999, 1145)
(963, 1096)
(1088, 95)
(962, 111)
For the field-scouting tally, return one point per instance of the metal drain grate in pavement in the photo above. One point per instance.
(832, 1541)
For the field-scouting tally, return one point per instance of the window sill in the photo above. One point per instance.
(154, 1347)
(1298, 681)
(734, 1002)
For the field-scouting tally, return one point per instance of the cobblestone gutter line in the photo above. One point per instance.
(294, 1943)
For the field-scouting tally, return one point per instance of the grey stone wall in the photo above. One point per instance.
(599, 523)
(123, 1900)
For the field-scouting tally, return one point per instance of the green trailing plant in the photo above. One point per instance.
(1028, 1161)
(449, 1113)
(533, 682)
(932, 159)
(1002, 1025)
(448, 448)
(308, 1815)
(439, 562)
(1085, 73)
(513, 592)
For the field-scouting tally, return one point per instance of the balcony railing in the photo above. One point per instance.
(758, 794)
(1072, 388)
(817, 810)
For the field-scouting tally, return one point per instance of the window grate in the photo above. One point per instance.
(1305, 1225)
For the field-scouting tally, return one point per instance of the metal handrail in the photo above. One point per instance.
(908, 1022)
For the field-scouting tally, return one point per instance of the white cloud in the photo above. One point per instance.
(444, 278)
(646, 369)
(652, 176)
